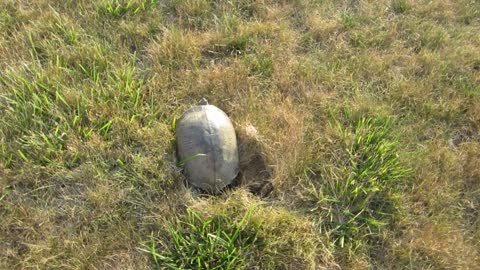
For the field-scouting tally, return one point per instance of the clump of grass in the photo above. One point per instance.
(348, 20)
(191, 13)
(32, 115)
(359, 198)
(433, 37)
(205, 243)
(232, 40)
(119, 8)
(400, 6)
(176, 49)
(261, 65)
(285, 239)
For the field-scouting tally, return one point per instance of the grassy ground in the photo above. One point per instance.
(358, 122)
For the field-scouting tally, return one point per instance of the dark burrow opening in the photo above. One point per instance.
(255, 174)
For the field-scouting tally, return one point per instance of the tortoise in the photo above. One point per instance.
(207, 147)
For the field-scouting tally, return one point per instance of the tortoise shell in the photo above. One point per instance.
(207, 147)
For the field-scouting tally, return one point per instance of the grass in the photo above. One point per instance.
(361, 198)
(215, 243)
(357, 123)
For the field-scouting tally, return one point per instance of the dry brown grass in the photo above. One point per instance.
(89, 91)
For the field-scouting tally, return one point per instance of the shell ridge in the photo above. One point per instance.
(212, 150)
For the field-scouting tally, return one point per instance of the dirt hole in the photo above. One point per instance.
(254, 174)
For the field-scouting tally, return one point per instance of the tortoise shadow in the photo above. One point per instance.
(254, 174)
